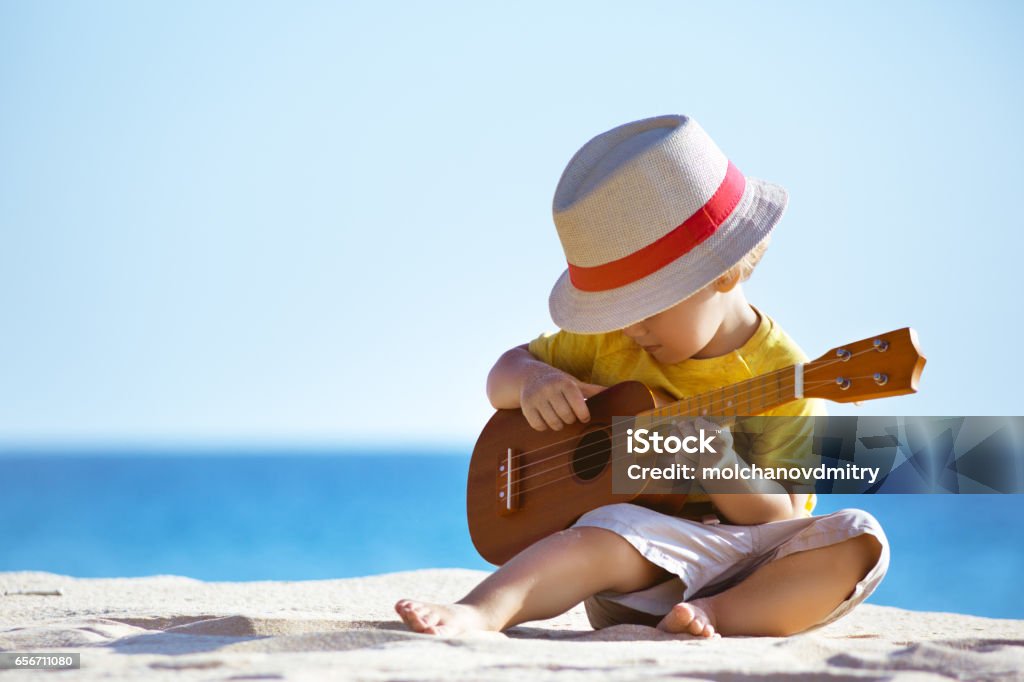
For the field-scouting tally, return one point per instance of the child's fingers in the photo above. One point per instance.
(706, 424)
(575, 401)
(590, 389)
(547, 413)
(554, 400)
(563, 408)
(534, 418)
(722, 433)
(685, 427)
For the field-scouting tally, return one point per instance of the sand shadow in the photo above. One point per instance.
(980, 658)
(823, 676)
(171, 644)
(625, 632)
(183, 635)
(203, 634)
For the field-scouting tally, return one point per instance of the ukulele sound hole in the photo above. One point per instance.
(592, 455)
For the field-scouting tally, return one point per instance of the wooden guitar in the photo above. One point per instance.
(525, 484)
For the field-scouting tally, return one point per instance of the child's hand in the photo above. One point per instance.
(553, 398)
(722, 457)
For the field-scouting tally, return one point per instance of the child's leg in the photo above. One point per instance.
(785, 596)
(544, 580)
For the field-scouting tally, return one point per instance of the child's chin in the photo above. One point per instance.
(665, 357)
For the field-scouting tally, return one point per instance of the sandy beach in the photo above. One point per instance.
(172, 627)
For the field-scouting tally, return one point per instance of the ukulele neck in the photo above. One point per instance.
(746, 398)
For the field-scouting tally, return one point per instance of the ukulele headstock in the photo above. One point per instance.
(884, 365)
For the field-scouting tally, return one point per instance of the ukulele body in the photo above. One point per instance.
(525, 484)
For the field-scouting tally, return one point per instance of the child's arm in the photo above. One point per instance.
(548, 396)
(743, 500)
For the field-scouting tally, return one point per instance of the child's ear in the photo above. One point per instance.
(726, 282)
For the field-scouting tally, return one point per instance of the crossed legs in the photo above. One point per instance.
(554, 574)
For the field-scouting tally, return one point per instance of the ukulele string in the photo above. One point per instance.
(558, 466)
(752, 389)
(750, 401)
(656, 422)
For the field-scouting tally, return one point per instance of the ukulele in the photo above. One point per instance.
(525, 484)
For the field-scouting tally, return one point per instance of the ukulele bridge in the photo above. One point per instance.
(507, 488)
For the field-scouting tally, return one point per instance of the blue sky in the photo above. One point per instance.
(321, 223)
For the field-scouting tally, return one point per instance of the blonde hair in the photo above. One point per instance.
(745, 267)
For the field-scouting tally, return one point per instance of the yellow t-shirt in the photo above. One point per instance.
(612, 357)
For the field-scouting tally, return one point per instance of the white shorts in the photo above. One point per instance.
(707, 559)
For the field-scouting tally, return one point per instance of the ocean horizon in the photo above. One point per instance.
(228, 514)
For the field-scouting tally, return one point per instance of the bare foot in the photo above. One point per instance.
(440, 619)
(692, 618)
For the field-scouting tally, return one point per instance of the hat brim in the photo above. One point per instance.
(592, 312)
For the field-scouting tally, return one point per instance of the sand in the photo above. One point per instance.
(171, 627)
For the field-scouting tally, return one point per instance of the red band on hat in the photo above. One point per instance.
(667, 248)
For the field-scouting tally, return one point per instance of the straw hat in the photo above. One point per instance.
(649, 213)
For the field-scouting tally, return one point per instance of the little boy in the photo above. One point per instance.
(659, 229)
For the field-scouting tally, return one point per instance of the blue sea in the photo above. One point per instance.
(230, 516)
